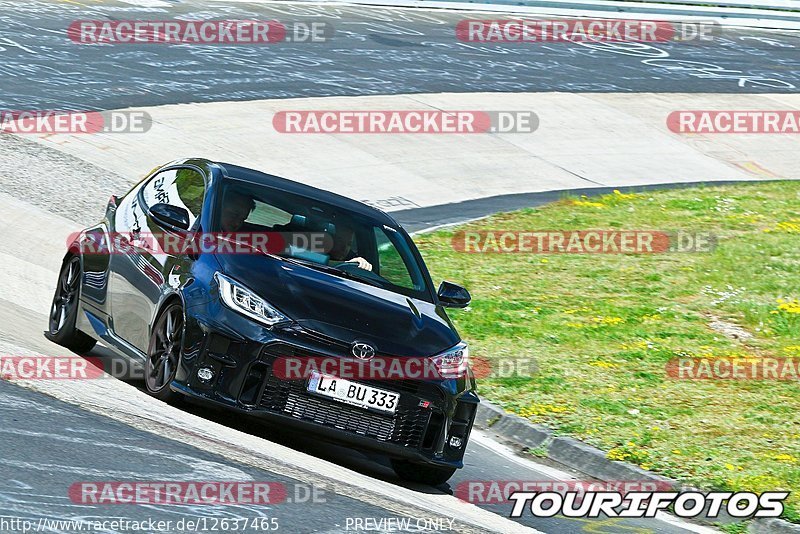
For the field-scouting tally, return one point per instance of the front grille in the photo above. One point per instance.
(342, 417)
(406, 427)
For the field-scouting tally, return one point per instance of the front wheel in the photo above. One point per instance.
(421, 473)
(64, 310)
(163, 353)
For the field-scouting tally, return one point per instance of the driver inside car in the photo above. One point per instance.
(235, 210)
(342, 251)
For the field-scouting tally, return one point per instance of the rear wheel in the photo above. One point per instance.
(424, 474)
(64, 310)
(163, 353)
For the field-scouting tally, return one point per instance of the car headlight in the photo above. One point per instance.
(454, 362)
(243, 300)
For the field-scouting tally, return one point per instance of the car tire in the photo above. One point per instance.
(421, 473)
(163, 353)
(64, 310)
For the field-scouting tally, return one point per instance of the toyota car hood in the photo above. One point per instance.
(345, 309)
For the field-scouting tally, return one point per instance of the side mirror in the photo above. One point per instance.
(170, 216)
(453, 295)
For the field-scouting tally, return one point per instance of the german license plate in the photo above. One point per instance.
(353, 393)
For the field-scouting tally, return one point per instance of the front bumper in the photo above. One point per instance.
(241, 355)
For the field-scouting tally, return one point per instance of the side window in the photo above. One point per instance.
(180, 187)
(390, 263)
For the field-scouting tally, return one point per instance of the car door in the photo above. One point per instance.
(142, 270)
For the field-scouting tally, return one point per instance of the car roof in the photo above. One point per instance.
(283, 184)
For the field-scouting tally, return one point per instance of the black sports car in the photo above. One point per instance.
(217, 322)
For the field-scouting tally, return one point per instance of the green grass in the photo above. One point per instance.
(733, 528)
(602, 328)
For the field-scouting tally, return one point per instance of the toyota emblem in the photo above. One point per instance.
(362, 351)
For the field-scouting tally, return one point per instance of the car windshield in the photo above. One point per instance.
(322, 236)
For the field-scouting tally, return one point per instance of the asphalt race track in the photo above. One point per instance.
(59, 435)
(373, 51)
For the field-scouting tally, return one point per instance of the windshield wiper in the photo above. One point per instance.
(332, 270)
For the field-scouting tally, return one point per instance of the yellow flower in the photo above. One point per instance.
(676, 451)
(624, 196)
(541, 409)
(792, 306)
(588, 204)
(790, 227)
(604, 365)
(617, 454)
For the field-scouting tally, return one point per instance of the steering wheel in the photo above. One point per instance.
(354, 269)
